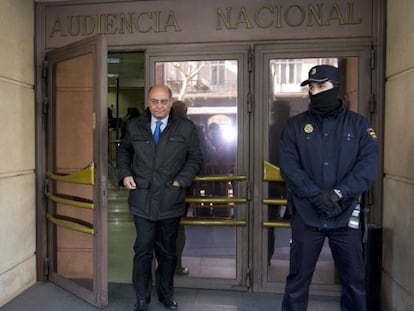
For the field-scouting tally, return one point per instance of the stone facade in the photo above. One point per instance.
(17, 149)
(398, 211)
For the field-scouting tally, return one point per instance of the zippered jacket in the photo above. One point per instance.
(337, 152)
(154, 167)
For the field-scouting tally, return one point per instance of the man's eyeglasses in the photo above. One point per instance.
(155, 101)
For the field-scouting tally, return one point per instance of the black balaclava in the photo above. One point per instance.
(325, 103)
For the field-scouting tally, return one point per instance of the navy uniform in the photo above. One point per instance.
(328, 158)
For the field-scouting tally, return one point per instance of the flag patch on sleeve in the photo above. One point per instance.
(372, 133)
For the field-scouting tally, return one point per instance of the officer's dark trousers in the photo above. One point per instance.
(346, 248)
(159, 236)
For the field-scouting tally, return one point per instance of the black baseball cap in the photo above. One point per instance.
(321, 74)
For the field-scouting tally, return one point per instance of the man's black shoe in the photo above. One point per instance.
(141, 305)
(169, 303)
(182, 271)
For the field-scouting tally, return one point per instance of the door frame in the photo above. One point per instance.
(241, 53)
(251, 117)
(97, 46)
(255, 85)
(263, 53)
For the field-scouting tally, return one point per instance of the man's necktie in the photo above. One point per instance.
(157, 131)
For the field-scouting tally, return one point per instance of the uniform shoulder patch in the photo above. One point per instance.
(372, 133)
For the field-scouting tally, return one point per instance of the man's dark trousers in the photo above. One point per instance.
(346, 248)
(159, 236)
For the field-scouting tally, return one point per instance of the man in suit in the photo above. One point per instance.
(158, 158)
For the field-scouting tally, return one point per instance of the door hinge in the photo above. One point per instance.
(46, 266)
(249, 102)
(44, 70)
(45, 186)
(45, 105)
(45, 111)
(248, 277)
(250, 67)
(248, 190)
(94, 120)
(372, 103)
(250, 60)
(373, 62)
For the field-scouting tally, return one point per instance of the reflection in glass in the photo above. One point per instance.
(209, 89)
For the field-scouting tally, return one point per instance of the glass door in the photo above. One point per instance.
(75, 184)
(213, 238)
(236, 232)
(278, 98)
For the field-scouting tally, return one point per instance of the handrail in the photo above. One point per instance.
(85, 176)
(211, 222)
(196, 221)
(71, 225)
(221, 178)
(276, 224)
(271, 172)
(218, 200)
(71, 200)
(272, 201)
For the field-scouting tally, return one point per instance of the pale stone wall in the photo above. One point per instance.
(398, 215)
(17, 148)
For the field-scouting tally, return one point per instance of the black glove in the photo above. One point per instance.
(326, 203)
(319, 202)
(335, 211)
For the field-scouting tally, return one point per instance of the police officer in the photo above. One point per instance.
(328, 158)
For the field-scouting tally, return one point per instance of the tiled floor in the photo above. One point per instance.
(49, 297)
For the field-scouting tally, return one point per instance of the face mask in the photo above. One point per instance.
(325, 103)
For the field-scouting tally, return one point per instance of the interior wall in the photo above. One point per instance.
(398, 213)
(17, 149)
(127, 98)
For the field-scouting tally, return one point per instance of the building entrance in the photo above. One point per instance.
(236, 233)
(238, 70)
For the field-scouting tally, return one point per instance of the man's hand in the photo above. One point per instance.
(326, 203)
(129, 183)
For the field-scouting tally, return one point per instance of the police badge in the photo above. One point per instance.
(308, 128)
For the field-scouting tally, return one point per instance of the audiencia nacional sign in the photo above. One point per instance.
(150, 22)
